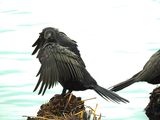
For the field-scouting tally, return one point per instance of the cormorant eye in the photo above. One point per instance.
(48, 34)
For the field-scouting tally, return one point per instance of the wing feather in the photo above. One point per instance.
(57, 64)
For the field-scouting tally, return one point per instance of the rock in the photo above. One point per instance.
(153, 108)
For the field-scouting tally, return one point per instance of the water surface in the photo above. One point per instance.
(115, 40)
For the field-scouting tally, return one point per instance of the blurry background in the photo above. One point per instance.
(115, 37)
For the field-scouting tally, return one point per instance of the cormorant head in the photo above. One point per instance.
(50, 34)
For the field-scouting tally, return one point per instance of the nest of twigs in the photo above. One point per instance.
(54, 109)
(153, 107)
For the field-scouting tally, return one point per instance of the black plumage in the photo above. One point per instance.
(150, 73)
(61, 62)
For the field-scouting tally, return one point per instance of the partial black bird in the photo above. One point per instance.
(61, 62)
(150, 73)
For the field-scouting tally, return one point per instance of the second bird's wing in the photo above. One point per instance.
(57, 64)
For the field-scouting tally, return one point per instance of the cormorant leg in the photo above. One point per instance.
(63, 92)
(70, 96)
(69, 92)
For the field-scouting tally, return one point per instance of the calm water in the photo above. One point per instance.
(114, 38)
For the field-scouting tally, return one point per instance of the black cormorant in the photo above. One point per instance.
(61, 62)
(150, 73)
